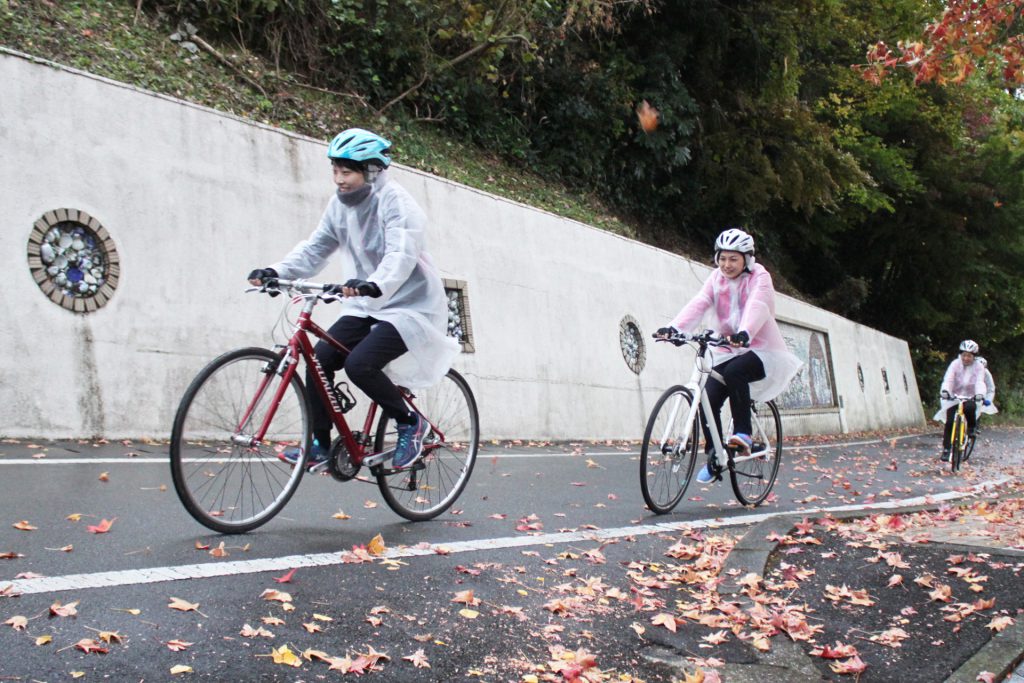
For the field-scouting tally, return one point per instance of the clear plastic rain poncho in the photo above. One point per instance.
(384, 235)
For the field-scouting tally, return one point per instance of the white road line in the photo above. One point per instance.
(512, 455)
(131, 577)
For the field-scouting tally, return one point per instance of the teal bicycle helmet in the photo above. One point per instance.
(356, 144)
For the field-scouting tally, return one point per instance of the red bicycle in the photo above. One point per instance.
(248, 405)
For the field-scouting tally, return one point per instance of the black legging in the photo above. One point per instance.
(738, 373)
(373, 345)
(970, 410)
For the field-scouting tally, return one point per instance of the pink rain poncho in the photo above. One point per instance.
(384, 238)
(746, 302)
(961, 380)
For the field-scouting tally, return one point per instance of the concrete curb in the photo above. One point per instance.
(787, 661)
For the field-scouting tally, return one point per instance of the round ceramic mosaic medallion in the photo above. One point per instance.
(631, 341)
(73, 259)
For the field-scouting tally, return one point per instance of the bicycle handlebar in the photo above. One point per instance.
(707, 337)
(275, 285)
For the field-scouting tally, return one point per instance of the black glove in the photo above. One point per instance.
(945, 395)
(666, 332)
(364, 287)
(741, 338)
(263, 274)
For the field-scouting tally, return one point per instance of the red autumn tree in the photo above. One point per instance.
(970, 35)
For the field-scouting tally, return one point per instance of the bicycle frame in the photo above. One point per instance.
(298, 346)
(702, 371)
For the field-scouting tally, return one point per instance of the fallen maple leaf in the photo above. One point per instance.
(340, 515)
(999, 623)
(219, 551)
(44, 640)
(273, 594)
(273, 621)
(24, 525)
(18, 623)
(88, 645)
(68, 610)
(109, 637)
(466, 597)
(418, 659)
(180, 669)
(287, 578)
(283, 655)
(177, 645)
(183, 606)
(854, 665)
(250, 632)
(104, 476)
(376, 545)
(666, 620)
(101, 528)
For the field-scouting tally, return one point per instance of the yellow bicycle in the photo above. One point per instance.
(961, 443)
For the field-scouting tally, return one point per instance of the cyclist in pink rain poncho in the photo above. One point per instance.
(395, 312)
(964, 377)
(738, 299)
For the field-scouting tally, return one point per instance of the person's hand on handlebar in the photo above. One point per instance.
(355, 287)
(945, 395)
(741, 338)
(665, 332)
(260, 275)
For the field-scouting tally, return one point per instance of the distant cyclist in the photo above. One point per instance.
(739, 299)
(964, 377)
(394, 305)
(987, 406)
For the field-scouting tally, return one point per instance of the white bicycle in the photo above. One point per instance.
(673, 438)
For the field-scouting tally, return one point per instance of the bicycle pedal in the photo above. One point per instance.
(318, 468)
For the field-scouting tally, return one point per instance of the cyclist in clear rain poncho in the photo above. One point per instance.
(738, 300)
(395, 312)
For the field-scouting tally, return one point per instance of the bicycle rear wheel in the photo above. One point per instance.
(224, 481)
(435, 481)
(753, 478)
(669, 450)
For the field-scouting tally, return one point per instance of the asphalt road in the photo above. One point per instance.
(532, 518)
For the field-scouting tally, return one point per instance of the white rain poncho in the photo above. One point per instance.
(385, 237)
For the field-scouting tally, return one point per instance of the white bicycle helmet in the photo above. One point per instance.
(735, 239)
(969, 345)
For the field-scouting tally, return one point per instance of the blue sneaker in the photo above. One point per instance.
(741, 442)
(410, 442)
(318, 456)
(705, 476)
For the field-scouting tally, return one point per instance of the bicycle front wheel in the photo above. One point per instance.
(669, 450)
(227, 482)
(956, 452)
(753, 477)
(435, 481)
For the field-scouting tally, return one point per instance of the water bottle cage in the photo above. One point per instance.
(346, 401)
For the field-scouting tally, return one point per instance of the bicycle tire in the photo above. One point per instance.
(226, 486)
(957, 443)
(433, 483)
(969, 447)
(666, 465)
(752, 480)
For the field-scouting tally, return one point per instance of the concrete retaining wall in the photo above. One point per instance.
(193, 199)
